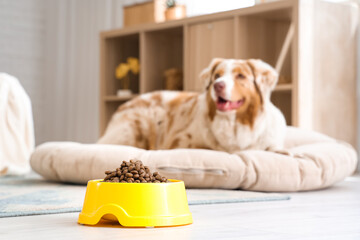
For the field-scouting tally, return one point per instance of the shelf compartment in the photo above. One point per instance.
(283, 100)
(264, 37)
(163, 50)
(118, 49)
(109, 108)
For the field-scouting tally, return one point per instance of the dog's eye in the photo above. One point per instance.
(240, 76)
(216, 76)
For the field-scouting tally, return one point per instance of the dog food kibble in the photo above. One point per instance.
(134, 172)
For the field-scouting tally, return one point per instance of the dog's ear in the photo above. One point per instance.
(265, 76)
(205, 75)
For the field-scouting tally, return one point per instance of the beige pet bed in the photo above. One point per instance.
(312, 161)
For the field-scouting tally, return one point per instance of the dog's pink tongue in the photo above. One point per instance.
(234, 105)
(227, 106)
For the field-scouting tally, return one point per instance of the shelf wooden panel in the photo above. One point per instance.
(208, 40)
(283, 101)
(115, 98)
(283, 87)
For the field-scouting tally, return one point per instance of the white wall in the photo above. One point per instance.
(198, 7)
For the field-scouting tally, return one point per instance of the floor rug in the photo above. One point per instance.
(32, 195)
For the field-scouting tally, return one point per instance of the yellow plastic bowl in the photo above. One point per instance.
(136, 204)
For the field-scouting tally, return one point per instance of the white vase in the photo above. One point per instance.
(124, 93)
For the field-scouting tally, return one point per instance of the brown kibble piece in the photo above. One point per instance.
(133, 172)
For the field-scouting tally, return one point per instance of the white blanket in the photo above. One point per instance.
(16, 127)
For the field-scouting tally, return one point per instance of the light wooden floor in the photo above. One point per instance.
(332, 213)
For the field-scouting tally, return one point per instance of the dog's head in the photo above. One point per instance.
(236, 85)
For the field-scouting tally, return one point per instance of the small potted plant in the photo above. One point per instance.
(122, 73)
(174, 10)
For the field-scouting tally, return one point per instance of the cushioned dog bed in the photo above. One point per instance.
(310, 161)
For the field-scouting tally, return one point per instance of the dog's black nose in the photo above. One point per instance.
(219, 86)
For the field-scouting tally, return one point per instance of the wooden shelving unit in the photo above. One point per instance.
(286, 34)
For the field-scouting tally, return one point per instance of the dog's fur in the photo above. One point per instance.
(234, 117)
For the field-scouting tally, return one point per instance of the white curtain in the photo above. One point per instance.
(72, 66)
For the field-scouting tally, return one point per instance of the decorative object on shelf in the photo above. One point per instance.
(284, 79)
(174, 11)
(146, 12)
(122, 73)
(173, 79)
